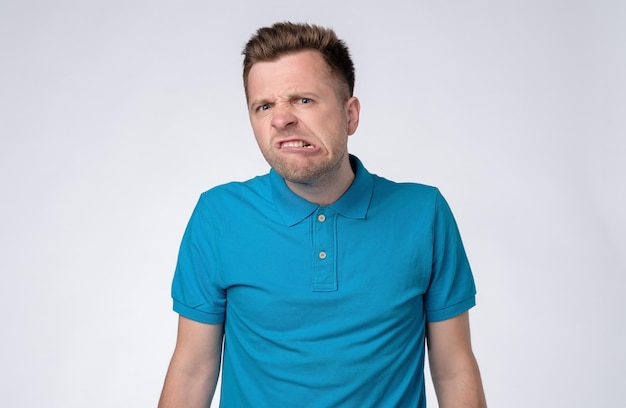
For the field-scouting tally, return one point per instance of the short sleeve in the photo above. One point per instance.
(451, 290)
(195, 292)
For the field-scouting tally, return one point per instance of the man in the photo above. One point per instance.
(322, 279)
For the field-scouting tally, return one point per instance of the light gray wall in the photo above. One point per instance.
(115, 115)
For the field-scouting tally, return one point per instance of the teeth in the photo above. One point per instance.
(298, 143)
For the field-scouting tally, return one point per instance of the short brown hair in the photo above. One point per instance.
(271, 43)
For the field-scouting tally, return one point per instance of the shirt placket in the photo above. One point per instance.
(324, 250)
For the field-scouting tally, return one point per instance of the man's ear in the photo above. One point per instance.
(353, 110)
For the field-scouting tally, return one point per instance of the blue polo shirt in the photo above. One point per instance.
(324, 306)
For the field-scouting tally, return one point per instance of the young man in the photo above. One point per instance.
(322, 280)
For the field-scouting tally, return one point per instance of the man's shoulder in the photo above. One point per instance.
(387, 186)
(236, 193)
(255, 185)
(406, 199)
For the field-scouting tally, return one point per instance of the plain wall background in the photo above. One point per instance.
(115, 116)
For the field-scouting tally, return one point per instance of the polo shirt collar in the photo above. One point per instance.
(352, 204)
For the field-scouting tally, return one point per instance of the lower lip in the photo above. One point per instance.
(288, 149)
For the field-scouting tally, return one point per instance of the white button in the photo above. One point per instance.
(321, 218)
(322, 255)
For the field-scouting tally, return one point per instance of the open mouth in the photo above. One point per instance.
(297, 144)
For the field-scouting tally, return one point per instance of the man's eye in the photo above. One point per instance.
(263, 107)
(305, 100)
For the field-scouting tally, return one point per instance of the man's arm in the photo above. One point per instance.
(195, 366)
(452, 364)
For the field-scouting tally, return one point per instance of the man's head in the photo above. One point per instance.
(300, 107)
(271, 43)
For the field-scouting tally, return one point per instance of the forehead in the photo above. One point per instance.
(295, 70)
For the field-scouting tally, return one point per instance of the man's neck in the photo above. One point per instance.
(327, 191)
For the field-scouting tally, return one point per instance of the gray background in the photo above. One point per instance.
(116, 115)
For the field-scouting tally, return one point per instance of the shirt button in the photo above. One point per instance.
(321, 218)
(322, 254)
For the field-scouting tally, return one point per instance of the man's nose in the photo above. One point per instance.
(283, 116)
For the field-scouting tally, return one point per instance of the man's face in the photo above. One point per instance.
(299, 119)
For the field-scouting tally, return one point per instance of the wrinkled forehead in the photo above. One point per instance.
(300, 70)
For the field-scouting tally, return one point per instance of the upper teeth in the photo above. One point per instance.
(298, 143)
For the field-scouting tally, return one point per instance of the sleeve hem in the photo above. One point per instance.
(451, 311)
(198, 315)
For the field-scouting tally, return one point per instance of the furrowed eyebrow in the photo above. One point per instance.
(260, 102)
(290, 97)
(307, 95)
